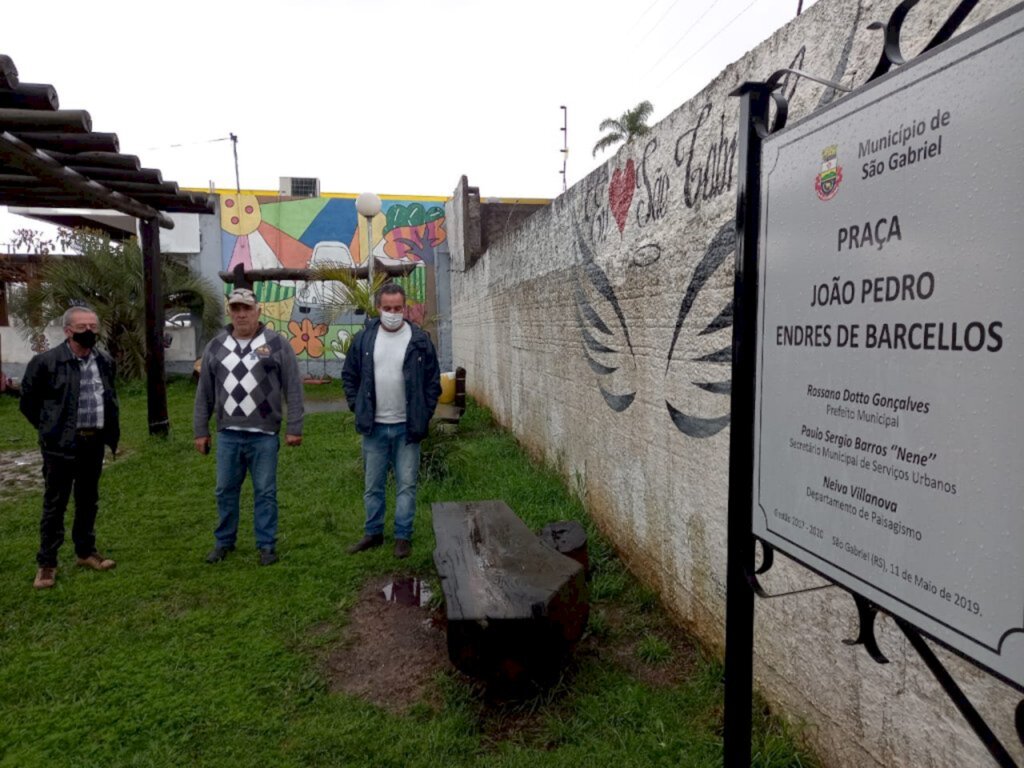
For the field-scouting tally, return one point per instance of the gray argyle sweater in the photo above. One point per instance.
(243, 383)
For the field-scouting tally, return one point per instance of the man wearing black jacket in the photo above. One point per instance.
(392, 383)
(68, 395)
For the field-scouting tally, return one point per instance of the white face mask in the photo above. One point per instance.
(391, 320)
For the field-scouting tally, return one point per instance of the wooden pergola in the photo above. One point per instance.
(51, 158)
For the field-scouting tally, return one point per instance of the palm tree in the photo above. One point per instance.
(108, 277)
(353, 293)
(630, 124)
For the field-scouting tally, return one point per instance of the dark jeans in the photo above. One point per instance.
(240, 452)
(61, 474)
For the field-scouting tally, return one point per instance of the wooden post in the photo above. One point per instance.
(156, 386)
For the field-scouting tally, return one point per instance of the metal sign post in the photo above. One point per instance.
(739, 602)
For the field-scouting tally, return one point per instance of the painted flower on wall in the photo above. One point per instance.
(271, 326)
(307, 337)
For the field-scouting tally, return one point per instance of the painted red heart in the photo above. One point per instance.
(620, 193)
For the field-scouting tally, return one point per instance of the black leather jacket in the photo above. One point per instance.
(49, 398)
(422, 381)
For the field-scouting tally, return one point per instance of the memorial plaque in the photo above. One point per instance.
(889, 427)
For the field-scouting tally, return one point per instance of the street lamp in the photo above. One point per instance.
(368, 205)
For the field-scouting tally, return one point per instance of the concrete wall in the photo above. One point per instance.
(15, 350)
(631, 268)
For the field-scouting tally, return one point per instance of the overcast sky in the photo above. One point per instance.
(391, 96)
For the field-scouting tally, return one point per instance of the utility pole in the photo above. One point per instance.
(565, 145)
(234, 146)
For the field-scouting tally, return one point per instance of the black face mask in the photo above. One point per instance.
(86, 339)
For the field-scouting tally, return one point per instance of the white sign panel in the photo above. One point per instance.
(889, 427)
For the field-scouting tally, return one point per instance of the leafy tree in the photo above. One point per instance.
(108, 277)
(30, 241)
(629, 125)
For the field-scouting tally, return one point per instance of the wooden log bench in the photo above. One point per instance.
(569, 538)
(516, 608)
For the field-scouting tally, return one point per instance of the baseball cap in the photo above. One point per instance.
(242, 296)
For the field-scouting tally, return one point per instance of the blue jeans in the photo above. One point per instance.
(238, 452)
(385, 447)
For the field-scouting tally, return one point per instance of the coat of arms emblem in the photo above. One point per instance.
(826, 183)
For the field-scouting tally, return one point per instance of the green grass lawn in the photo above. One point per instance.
(167, 661)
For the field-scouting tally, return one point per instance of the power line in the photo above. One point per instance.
(641, 16)
(234, 148)
(660, 19)
(709, 41)
(187, 144)
(689, 29)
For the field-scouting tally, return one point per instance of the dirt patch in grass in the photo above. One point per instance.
(391, 654)
(20, 471)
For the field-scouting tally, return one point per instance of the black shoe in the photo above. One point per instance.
(268, 556)
(365, 543)
(402, 548)
(217, 554)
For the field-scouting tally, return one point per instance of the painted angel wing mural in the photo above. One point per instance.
(607, 346)
(698, 372)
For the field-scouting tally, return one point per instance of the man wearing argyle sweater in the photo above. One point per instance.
(247, 373)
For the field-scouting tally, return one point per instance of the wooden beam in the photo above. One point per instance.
(37, 198)
(17, 153)
(129, 187)
(74, 121)
(156, 386)
(30, 96)
(71, 142)
(183, 202)
(8, 73)
(192, 207)
(201, 198)
(17, 180)
(134, 184)
(359, 273)
(140, 191)
(96, 159)
(145, 175)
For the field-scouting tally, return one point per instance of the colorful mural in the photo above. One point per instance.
(266, 231)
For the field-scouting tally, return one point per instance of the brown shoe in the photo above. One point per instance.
(365, 543)
(97, 562)
(46, 577)
(402, 549)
